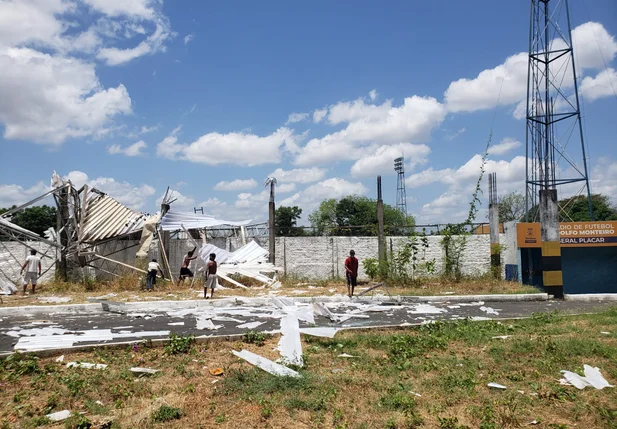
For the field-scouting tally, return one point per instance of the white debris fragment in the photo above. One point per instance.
(326, 332)
(500, 337)
(489, 310)
(60, 358)
(592, 378)
(266, 364)
(497, 386)
(139, 370)
(59, 416)
(176, 324)
(345, 355)
(415, 394)
(250, 325)
(605, 333)
(454, 306)
(203, 323)
(471, 304)
(289, 344)
(54, 299)
(426, 309)
(98, 402)
(86, 365)
(226, 319)
(479, 318)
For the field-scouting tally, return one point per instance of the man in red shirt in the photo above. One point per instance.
(351, 271)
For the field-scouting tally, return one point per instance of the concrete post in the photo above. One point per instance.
(271, 225)
(381, 245)
(493, 219)
(62, 218)
(551, 250)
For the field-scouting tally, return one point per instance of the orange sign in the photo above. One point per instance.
(571, 234)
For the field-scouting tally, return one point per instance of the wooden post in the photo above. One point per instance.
(62, 219)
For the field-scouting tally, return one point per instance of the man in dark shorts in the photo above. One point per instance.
(351, 271)
(211, 277)
(185, 271)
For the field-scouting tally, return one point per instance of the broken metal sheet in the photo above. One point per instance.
(471, 304)
(86, 365)
(7, 287)
(250, 325)
(497, 386)
(266, 364)
(50, 342)
(489, 310)
(592, 378)
(175, 220)
(203, 323)
(59, 416)
(326, 332)
(345, 355)
(426, 309)
(226, 319)
(176, 324)
(107, 218)
(289, 344)
(141, 371)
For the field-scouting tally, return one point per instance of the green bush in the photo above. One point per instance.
(166, 413)
(179, 344)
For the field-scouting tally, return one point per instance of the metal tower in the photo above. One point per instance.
(555, 145)
(401, 195)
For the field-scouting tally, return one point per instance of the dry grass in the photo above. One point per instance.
(131, 288)
(449, 364)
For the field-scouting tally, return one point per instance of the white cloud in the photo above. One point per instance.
(152, 44)
(11, 195)
(373, 94)
(133, 8)
(131, 150)
(232, 148)
(506, 145)
(285, 188)
(48, 99)
(380, 160)
(319, 115)
(145, 129)
(604, 178)
(236, 185)
(456, 134)
(592, 46)
(370, 124)
(130, 195)
(313, 195)
(182, 202)
(603, 85)
(296, 117)
(189, 38)
(298, 175)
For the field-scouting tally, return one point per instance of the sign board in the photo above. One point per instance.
(571, 234)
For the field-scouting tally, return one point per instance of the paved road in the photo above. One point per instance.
(58, 331)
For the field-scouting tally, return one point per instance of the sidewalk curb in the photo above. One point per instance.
(587, 297)
(122, 307)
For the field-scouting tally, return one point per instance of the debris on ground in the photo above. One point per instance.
(144, 371)
(59, 416)
(345, 355)
(489, 310)
(266, 364)
(249, 325)
(497, 386)
(86, 365)
(216, 371)
(60, 358)
(500, 337)
(54, 299)
(592, 378)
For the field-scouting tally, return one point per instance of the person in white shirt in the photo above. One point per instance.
(153, 269)
(33, 264)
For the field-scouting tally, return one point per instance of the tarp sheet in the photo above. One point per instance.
(176, 220)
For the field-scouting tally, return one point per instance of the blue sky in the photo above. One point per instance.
(210, 98)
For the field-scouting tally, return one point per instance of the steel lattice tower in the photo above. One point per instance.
(401, 194)
(555, 145)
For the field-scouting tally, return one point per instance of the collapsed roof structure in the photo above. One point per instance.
(87, 219)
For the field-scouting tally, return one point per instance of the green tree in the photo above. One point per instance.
(36, 219)
(323, 220)
(286, 220)
(511, 207)
(576, 209)
(356, 215)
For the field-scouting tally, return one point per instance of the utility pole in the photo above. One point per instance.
(271, 220)
(493, 220)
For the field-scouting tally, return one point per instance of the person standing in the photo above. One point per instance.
(351, 271)
(33, 264)
(153, 269)
(185, 270)
(211, 277)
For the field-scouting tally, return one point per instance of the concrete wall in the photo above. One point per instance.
(12, 250)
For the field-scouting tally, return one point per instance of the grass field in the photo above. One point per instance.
(434, 376)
